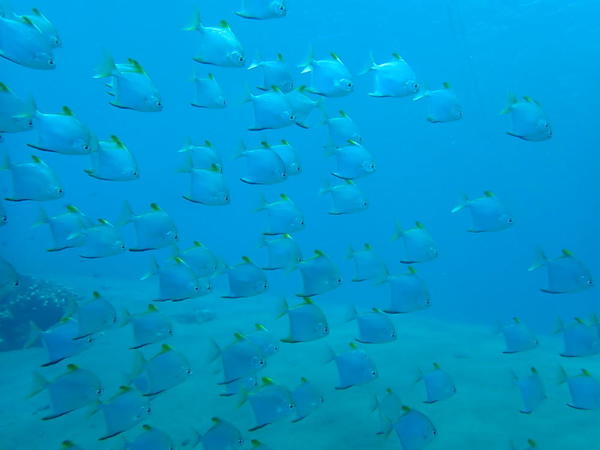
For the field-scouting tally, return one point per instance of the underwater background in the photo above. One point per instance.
(487, 50)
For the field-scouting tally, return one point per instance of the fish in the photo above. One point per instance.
(271, 110)
(487, 213)
(150, 439)
(60, 340)
(419, 246)
(263, 9)
(222, 435)
(32, 181)
(240, 359)
(283, 252)
(275, 73)
(149, 327)
(368, 265)
(264, 339)
(101, 240)
(246, 280)
(408, 293)
(123, 411)
(284, 217)
(389, 407)
(302, 105)
(438, 384)
(518, 337)
(532, 390)
(319, 275)
(63, 226)
(353, 161)
(113, 161)
(566, 274)
(443, 104)
(203, 261)
(9, 278)
(307, 398)
(94, 316)
(63, 133)
(270, 402)
(16, 114)
(329, 77)
(22, 42)
(583, 388)
(529, 121)
(203, 156)
(342, 129)
(154, 229)
(414, 429)
(307, 321)
(72, 390)
(346, 198)
(130, 87)
(218, 45)
(394, 78)
(207, 186)
(208, 93)
(288, 154)
(163, 371)
(579, 338)
(374, 327)
(355, 367)
(177, 281)
(263, 166)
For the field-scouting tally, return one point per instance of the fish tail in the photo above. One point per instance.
(306, 66)
(282, 308)
(351, 314)
(154, 268)
(540, 260)
(106, 68)
(127, 214)
(214, 351)
(422, 93)
(6, 163)
(512, 99)
(262, 203)
(462, 205)
(39, 384)
(196, 24)
(399, 231)
(256, 62)
(562, 375)
(42, 218)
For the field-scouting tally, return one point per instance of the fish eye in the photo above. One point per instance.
(188, 371)
(292, 406)
(30, 123)
(590, 282)
(374, 373)
(326, 330)
(50, 62)
(60, 191)
(261, 362)
(365, 204)
(240, 441)
(123, 246)
(86, 147)
(148, 410)
(99, 391)
(510, 220)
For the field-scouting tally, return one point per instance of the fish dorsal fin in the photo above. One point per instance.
(397, 57)
(566, 253)
(117, 142)
(532, 443)
(26, 20)
(255, 443)
(137, 67)
(446, 85)
(389, 390)
(353, 346)
(211, 76)
(147, 427)
(103, 222)
(307, 301)
(406, 409)
(260, 327)
(411, 270)
(436, 366)
(267, 381)
(286, 236)
(67, 444)
(96, 295)
(353, 142)
(516, 320)
(215, 420)
(488, 194)
(585, 373)
(344, 114)
(534, 371)
(67, 111)
(285, 197)
(165, 348)
(285, 142)
(265, 144)
(198, 244)
(239, 337)
(280, 57)
(376, 310)
(319, 253)
(208, 143)
(73, 209)
(154, 207)
(419, 225)
(36, 159)
(303, 380)
(151, 309)
(224, 24)
(72, 367)
(349, 182)
(579, 320)
(367, 246)
(246, 260)
(178, 260)
(302, 89)
(123, 390)
(335, 56)
(3, 87)
(214, 168)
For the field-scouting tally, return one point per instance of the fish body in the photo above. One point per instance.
(241, 359)
(16, 114)
(329, 77)
(443, 104)
(368, 265)
(566, 273)
(283, 252)
(346, 198)
(355, 367)
(438, 384)
(518, 337)
(353, 161)
(307, 321)
(33, 181)
(113, 161)
(263, 166)
(154, 229)
(63, 133)
(218, 45)
(319, 275)
(270, 403)
(532, 391)
(165, 370)
(529, 121)
(101, 240)
(394, 78)
(149, 327)
(271, 110)
(284, 217)
(487, 213)
(63, 226)
(208, 93)
(275, 73)
(22, 42)
(123, 411)
(208, 186)
(419, 245)
(408, 293)
(307, 399)
(151, 439)
(263, 9)
(246, 280)
(222, 435)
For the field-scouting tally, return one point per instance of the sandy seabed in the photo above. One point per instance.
(484, 414)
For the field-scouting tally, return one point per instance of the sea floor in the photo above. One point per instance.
(484, 413)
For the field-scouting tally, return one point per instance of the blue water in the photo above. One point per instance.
(485, 49)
